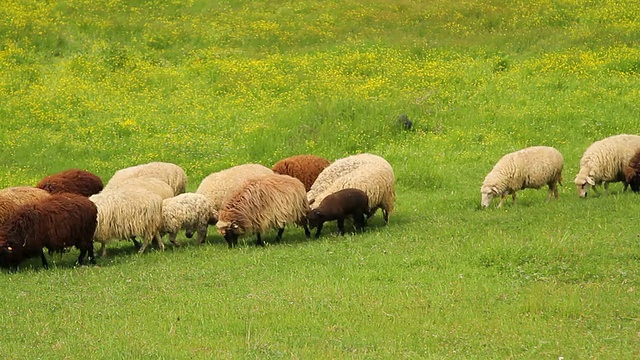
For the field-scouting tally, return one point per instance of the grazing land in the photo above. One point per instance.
(102, 85)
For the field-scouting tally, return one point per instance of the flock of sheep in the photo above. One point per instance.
(613, 159)
(143, 203)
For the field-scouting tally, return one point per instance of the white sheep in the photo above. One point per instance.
(219, 185)
(604, 161)
(154, 185)
(529, 168)
(170, 173)
(127, 213)
(190, 212)
(367, 172)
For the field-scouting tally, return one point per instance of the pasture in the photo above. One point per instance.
(102, 85)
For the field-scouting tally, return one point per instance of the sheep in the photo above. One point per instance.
(74, 181)
(171, 174)
(55, 222)
(127, 213)
(154, 185)
(604, 162)
(190, 212)
(367, 172)
(305, 168)
(632, 172)
(270, 201)
(339, 206)
(220, 185)
(529, 168)
(13, 197)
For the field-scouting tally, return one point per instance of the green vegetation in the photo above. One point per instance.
(106, 84)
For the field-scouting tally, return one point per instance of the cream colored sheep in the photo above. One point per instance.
(152, 184)
(604, 161)
(12, 198)
(220, 185)
(190, 212)
(529, 168)
(127, 213)
(170, 173)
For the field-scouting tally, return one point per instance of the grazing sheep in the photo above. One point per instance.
(529, 168)
(127, 213)
(367, 172)
(190, 212)
(55, 222)
(338, 206)
(154, 185)
(171, 174)
(305, 168)
(632, 172)
(13, 197)
(270, 201)
(220, 185)
(604, 162)
(73, 181)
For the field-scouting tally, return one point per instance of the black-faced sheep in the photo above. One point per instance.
(632, 172)
(367, 172)
(171, 174)
(218, 186)
(13, 197)
(55, 222)
(190, 212)
(73, 181)
(529, 168)
(127, 213)
(338, 206)
(305, 168)
(604, 162)
(270, 201)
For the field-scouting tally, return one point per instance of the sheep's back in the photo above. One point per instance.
(170, 173)
(305, 168)
(13, 197)
(218, 186)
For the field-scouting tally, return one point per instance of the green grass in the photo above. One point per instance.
(208, 85)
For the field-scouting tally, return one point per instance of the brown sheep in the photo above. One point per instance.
(305, 168)
(270, 201)
(632, 172)
(56, 222)
(13, 197)
(339, 206)
(73, 181)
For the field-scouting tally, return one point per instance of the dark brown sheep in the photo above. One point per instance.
(632, 172)
(56, 222)
(338, 206)
(305, 168)
(73, 181)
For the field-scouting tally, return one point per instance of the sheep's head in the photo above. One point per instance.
(9, 257)
(314, 218)
(230, 230)
(583, 183)
(488, 193)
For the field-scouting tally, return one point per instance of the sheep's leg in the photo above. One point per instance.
(45, 264)
(502, 199)
(83, 253)
(513, 197)
(158, 240)
(202, 234)
(385, 216)
(136, 243)
(92, 258)
(318, 230)
(341, 226)
(259, 240)
(307, 232)
(279, 236)
(172, 239)
(359, 220)
(103, 249)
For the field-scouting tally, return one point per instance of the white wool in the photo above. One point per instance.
(154, 185)
(218, 186)
(171, 174)
(190, 212)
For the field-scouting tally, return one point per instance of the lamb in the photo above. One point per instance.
(171, 174)
(55, 222)
(604, 162)
(338, 206)
(74, 181)
(367, 172)
(632, 172)
(218, 186)
(270, 201)
(529, 168)
(13, 197)
(154, 185)
(305, 168)
(127, 213)
(190, 212)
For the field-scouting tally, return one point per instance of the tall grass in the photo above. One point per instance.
(207, 85)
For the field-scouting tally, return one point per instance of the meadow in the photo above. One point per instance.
(102, 85)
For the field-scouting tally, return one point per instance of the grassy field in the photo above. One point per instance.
(106, 84)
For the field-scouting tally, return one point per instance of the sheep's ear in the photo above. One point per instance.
(590, 181)
(495, 190)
